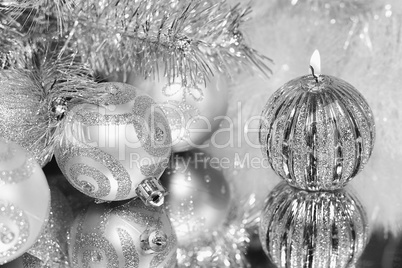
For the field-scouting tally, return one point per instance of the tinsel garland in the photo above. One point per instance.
(34, 98)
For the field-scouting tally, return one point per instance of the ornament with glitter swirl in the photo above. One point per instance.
(24, 201)
(117, 150)
(122, 235)
(193, 113)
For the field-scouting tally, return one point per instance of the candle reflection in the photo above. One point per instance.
(313, 229)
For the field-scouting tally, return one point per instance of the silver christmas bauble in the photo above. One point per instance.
(118, 149)
(24, 117)
(199, 197)
(194, 113)
(313, 229)
(24, 201)
(122, 235)
(317, 132)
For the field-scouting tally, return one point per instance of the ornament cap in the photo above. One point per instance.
(153, 241)
(58, 108)
(151, 192)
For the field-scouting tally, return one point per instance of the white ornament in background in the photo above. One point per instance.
(24, 201)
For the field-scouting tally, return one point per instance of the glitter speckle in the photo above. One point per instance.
(159, 134)
(119, 93)
(145, 121)
(130, 253)
(19, 219)
(96, 256)
(72, 151)
(102, 181)
(18, 174)
(93, 247)
(6, 235)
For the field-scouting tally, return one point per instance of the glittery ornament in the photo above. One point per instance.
(222, 245)
(107, 150)
(313, 229)
(199, 196)
(19, 107)
(123, 235)
(51, 246)
(24, 201)
(317, 132)
(194, 113)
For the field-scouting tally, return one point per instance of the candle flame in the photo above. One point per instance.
(315, 63)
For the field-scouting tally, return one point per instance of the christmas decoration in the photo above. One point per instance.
(56, 50)
(199, 196)
(290, 35)
(197, 190)
(51, 246)
(193, 112)
(317, 132)
(317, 229)
(116, 150)
(15, 111)
(120, 234)
(191, 37)
(24, 201)
(32, 100)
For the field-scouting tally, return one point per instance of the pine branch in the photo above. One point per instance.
(21, 31)
(190, 39)
(34, 13)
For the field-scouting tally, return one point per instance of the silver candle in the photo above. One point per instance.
(317, 132)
